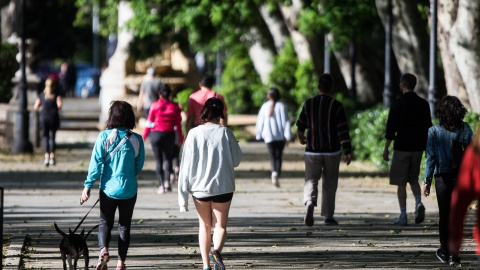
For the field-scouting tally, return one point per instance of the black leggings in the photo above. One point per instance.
(444, 185)
(108, 206)
(162, 146)
(48, 136)
(275, 150)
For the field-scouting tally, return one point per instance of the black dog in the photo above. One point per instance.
(72, 246)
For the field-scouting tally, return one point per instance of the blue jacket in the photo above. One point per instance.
(119, 176)
(438, 149)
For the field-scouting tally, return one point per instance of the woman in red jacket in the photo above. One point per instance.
(163, 118)
(466, 190)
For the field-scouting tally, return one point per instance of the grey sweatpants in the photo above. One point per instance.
(325, 167)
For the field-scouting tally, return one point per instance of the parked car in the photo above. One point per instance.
(88, 80)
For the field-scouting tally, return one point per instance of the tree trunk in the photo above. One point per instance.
(409, 40)
(459, 45)
(369, 87)
(8, 20)
(300, 42)
(262, 41)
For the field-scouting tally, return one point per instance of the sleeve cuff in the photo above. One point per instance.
(427, 181)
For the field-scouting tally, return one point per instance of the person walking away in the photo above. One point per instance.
(148, 91)
(209, 155)
(197, 100)
(67, 79)
(450, 113)
(324, 118)
(164, 120)
(273, 125)
(408, 123)
(117, 158)
(466, 190)
(50, 103)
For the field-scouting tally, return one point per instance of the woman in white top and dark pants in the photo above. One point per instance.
(209, 155)
(273, 126)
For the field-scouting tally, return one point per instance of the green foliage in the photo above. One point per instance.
(8, 66)
(342, 18)
(241, 85)
(368, 135)
(306, 86)
(367, 129)
(108, 15)
(473, 119)
(182, 98)
(283, 75)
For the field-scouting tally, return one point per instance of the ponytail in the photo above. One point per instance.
(273, 94)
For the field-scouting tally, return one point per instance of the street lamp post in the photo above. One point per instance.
(387, 90)
(21, 143)
(433, 57)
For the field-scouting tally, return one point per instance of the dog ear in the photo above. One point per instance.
(83, 232)
(70, 231)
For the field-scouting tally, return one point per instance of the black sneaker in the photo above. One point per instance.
(442, 256)
(419, 213)
(455, 261)
(309, 215)
(330, 221)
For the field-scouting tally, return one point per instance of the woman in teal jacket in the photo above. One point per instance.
(117, 169)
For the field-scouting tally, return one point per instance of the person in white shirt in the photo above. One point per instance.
(273, 126)
(209, 155)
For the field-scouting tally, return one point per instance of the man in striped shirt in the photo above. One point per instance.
(327, 132)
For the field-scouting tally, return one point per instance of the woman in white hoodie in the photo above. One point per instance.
(209, 155)
(273, 126)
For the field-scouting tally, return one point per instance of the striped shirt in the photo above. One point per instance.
(324, 118)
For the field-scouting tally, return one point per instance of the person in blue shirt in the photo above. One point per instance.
(118, 172)
(450, 113)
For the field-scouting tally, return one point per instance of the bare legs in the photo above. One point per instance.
(216, 215)
(402, 193)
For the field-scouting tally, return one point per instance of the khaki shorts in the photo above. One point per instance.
(405, 167)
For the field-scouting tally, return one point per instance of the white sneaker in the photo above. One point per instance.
(275, 179)
(160, 190)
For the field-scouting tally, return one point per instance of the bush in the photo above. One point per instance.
(283, 77)
(368, 127)
(182, 98)
(368, 135)
(8, 67)
(241, 85)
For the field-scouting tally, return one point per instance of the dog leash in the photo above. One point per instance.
(81, 221)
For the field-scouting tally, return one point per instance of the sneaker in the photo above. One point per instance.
(455, 261)
(103, 258)
(208, 268)
(121, 267)
(275, 179)
(160, 190)
(442, 256)
(419, 213)
(330, 221)
(46, 162)
(168, 187)
(401, 221)
(215, 257)
(51, 162)
(309, 215)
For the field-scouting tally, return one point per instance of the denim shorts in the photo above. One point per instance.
(222, 198)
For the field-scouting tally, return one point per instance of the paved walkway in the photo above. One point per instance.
(265, 229)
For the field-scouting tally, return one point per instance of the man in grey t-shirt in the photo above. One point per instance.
(148, 91)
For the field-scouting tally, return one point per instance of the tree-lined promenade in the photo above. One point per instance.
(266, 228)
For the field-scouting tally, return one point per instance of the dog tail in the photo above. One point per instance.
(86, 236)
(58, 230)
